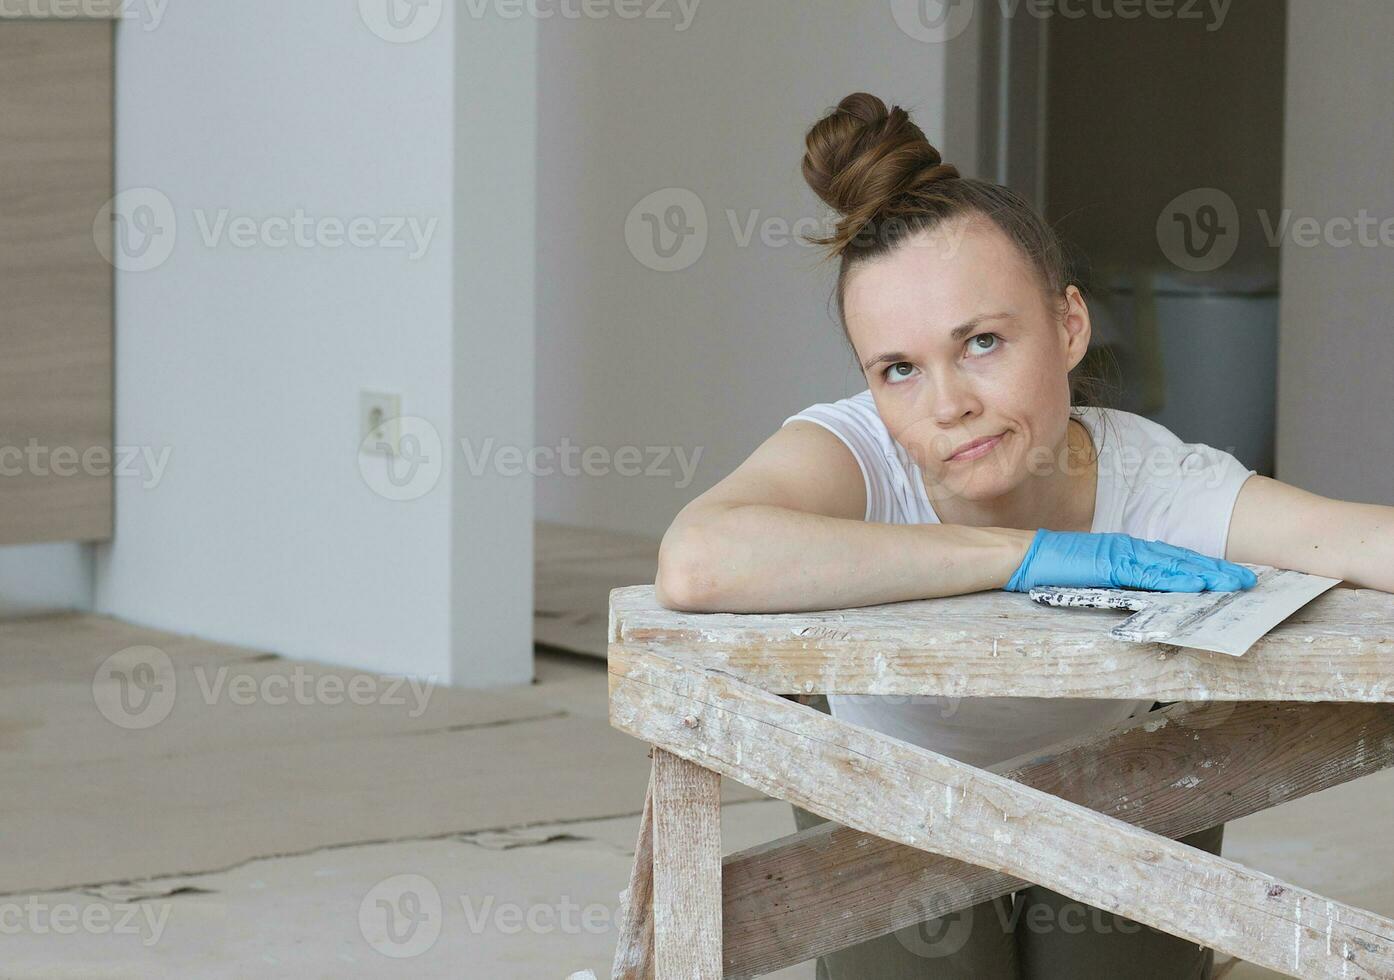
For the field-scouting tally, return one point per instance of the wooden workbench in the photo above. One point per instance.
(915, 834)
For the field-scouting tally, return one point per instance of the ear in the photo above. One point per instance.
(1074, 327)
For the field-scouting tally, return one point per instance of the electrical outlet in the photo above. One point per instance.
(379, 429)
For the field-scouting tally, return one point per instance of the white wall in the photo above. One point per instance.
(714, 356)
(43, 577)
(247, 362)
(494, 268)
(1336, 339)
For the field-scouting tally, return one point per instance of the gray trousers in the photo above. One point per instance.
(1033, 934)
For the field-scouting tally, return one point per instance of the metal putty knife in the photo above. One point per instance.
(1225, 622)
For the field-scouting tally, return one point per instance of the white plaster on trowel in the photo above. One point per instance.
(1222, 622)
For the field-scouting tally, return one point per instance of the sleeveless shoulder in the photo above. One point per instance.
(856, 422)
(1153, 485)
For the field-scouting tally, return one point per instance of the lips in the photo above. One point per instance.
(976, 448)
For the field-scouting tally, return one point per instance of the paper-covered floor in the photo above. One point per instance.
(229, 813)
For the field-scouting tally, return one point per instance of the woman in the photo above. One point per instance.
(964, 466)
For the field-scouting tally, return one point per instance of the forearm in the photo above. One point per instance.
(1368, 557)
(762, 558)
(1275, 523)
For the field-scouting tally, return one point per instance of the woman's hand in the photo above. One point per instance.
(1114, 561)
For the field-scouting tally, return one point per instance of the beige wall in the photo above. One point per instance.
(1336, 346)
(710, 358)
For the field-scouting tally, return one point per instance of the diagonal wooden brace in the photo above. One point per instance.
(1178, 770)
(881, 786)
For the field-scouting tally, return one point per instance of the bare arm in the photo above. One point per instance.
(785, 532)
(1275, 523)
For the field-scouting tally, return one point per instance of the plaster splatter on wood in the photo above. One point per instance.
(1338, 647)
(1223, 622)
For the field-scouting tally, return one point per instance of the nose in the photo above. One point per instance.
(953, 400)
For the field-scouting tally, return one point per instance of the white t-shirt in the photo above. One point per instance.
(1150, 485)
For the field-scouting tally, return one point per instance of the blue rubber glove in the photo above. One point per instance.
(1120, 561)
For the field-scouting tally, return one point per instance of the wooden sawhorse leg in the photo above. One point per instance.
(671, 922)
(634, 951)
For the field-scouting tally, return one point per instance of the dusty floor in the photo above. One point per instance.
(195, 810)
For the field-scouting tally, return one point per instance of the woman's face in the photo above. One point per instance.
(957, 344)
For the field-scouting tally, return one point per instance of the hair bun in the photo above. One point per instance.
(861, 156)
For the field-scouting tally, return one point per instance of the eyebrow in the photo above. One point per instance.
(957, 333)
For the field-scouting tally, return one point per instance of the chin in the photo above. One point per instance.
(981, 491)
(978, 484)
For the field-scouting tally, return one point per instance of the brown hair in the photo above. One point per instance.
(876, 168)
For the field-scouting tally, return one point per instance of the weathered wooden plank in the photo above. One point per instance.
(686, 869)
(879, 785)
(634, 950)
(1180, 770)
(1339, 647)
